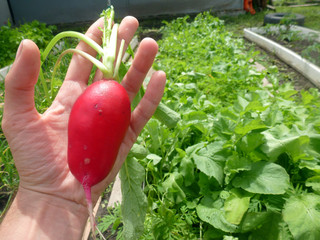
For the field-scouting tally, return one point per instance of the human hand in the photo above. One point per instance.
(39, 141)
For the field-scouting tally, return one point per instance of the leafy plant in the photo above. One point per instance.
(111, 221)
(10, 38)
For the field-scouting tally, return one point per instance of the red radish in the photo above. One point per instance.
(98, 122)
(97, 125)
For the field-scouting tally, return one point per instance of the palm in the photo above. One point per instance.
(39, 141)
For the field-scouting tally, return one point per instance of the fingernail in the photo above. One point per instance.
(19, 49)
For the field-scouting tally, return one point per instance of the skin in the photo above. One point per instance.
(50, 202)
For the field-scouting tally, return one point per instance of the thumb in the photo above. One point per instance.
(21, 80)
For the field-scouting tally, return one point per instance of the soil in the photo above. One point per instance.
(5, 202)
(4, 198)
(298, 80)
(299, 46)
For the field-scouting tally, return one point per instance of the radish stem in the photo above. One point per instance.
(87, 191)
(93, 60)
(116, 69)
(100, 233)
(78, 35)
(107, 51)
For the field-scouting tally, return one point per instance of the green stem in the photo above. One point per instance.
(78, 35)
(116, 69)
(108, 20)
(49, 47)
(93, 60)
(108, 50)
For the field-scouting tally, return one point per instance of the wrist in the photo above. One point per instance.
(35, 215)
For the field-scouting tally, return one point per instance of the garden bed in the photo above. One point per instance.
(298, 47)
(206, 178)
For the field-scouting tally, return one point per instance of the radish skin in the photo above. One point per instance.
(97, 124)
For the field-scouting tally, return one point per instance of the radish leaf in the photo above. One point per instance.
(264, 178)
(134, 202)
(302, 214)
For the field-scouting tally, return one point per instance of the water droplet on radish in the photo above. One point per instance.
(85, 147)
(87, 161)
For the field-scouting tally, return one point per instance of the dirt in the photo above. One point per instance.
(289, 74)
(4, 198)
(5, 202)
(301, 47)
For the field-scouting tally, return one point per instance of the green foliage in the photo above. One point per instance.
(312, 53)
(10, 38)
(134, 201)
(302, 215)
(203, 52)
(241, 157)
(111, 222)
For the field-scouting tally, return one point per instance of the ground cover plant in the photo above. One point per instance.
(11, 36)
(243, 161)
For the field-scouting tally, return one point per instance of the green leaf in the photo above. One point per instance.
(302, 214)
(207, 212)
(314, 182)
(253, 220)
(187, 170)
(235, 164)
(138, 151)
(250, 142)
(172, 187)
(154, 131)
(134, 201)
(273, 229)
(224, 127)
(255, 124)
(166, 115)
(209, 162)
(155, 158)
(264, 178)
(272, 116)
(236, 205)
(191, 149)
(280, 140)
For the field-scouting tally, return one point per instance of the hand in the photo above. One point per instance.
(39, 141)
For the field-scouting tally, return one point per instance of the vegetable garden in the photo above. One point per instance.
(239, 160)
